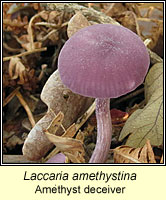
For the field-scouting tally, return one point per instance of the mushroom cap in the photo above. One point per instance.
(103, 61)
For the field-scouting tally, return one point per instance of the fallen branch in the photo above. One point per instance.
(90, 13)
(58, 98)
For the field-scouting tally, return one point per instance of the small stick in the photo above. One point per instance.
(10, 96)
(51, 25)
(10, 48)
(25, 53)
(149, 20)
(44, 66)
(51, 32)
(85, 116)
(26, 107)
(48, 35)
(147, 42)
(30, 30)
(135, 93)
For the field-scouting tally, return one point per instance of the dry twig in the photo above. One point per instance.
(26, 107)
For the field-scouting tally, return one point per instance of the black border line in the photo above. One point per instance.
(86, 164)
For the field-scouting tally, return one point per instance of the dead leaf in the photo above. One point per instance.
(129, 19)
(150, 153)
(56, 122)
(114, 9)
(13, 141)
(27, 46)
(71, 147)
(17, 69)
(77, 22)
(147, 123)
(75, 157)
(118, 116)
(126, 154)
(161, 160)
(30, 31)
(65, 144)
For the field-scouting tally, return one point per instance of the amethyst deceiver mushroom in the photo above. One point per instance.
(103, 61)
(58, 158)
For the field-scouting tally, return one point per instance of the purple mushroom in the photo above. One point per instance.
(103, 61)
(58, 158)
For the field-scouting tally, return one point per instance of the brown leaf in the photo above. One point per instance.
(80, 136)
(17, 69)
(72, 148)
(151, 156)
(44, 15)
(70, 132)
(161, 161)
(13, 141)
(56, 122)
(75, 157)
(114, 9)
(129, 20)
(77, 22)
(27, 46)
(126, 154)
(12, 64)
(65, 144)
(31, 31)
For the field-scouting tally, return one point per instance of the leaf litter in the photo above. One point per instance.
(126, 154)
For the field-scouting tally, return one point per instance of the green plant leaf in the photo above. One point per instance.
(147, 123)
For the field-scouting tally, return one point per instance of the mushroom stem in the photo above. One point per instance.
(104, 131)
